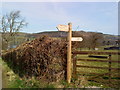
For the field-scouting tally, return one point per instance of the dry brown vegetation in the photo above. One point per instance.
(43, 57)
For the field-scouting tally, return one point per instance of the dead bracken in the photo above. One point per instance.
(43, 57)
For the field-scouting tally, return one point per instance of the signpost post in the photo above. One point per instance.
(69, 53)
(68, 28)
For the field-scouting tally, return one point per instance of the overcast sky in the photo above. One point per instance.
(88, 16)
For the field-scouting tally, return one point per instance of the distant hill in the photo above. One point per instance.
(111, 37)
(50, 34)
(108, 39)
(22, 37)
(57, 34)
(64, 34)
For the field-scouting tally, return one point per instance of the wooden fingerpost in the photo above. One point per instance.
(69, 53)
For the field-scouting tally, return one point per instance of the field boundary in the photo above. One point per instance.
(108, 59)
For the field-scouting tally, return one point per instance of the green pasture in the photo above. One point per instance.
(98, 64)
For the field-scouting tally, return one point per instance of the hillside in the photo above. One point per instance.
(107, 38)
(64, 34)
(50, 34)
(23, 37)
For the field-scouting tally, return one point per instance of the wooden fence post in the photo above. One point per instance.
(109, 69)
(74, 67)
(69, 53)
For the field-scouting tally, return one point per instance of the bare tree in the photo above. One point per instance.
(91, 40)
(95, 39)
(76, 45)
(11, 24)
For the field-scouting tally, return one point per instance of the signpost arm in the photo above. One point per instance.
(69, 53)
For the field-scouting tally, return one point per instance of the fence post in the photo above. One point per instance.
(109, 69)
(74, 67)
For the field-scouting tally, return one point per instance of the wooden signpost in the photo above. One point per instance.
(68, 28)
(62, 28)
(76, 38)
(69, 52)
